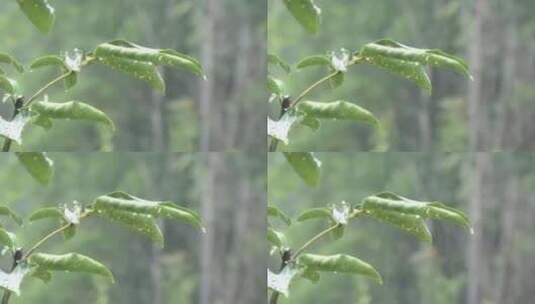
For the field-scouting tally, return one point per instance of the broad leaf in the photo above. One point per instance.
(41, 274)
(311, 122)
(274, 85)
(413, 224)
(275, 211)
(8, 85)
(315, 60)
(338, 110)
(70, 64)
(276, 60)
(40, 13)
(8, 59)
(306, 13)
(125, 202)
(6, 211)
(392, 49)
(128, 50)
(46, 213)
(145, 71)
(434, 210)
(306, 165)
(48, 60)
(141, 223)
(71, 110)
(38, 165)
(315, 213)
(339, 263)
(71, 262)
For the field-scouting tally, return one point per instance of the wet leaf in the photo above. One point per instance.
(338, 110)
(141, 223)
(145, 71)
(339, 263)
(71, 110)
(38, 165)
(71, 262)
(39, 12)
(306, 165)
(413, 224)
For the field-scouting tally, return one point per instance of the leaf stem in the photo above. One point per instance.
(47, 86)
(314, 239)
(44, 239)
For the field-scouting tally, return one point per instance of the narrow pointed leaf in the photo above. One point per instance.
(71, 262)
(434, 210)
(274, 85)
(315, 60)
(306, 13)
(339, 110)
(7, 238)
(48, 60)
(276, 238)
(339, 263)
(306, 165)
(8, 85)
(275, 211)
(141, 223)
(71, 110)
(38, 165)
(39, 12)
(6, 211)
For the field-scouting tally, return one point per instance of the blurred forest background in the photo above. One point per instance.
(221, 113)
(493, 266)
(493, 112)
(226, 259)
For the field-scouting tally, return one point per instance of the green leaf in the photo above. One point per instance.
(275, 237)
(71, 262)
(71, 110)
(306, 13)
(392, 49)
(71, 80)
(413, 224)
(8, 59)
(311, 122)
(40, 13)
(38, 165)
(141, 223)
(275, 86)
(41, 274)
(276, 60)
(315, 60)
(337, 80)
(7, 238)
(128, 50)
(6, 211)
(8, 85)
(275, 211)
(305, 165)
(434, 210)
(339, 263)
(338, 110)
(125, 202)
(315, 213)
(138, 69)
(412, 71)
(48, 60)
(42, 121)
(45, 213)
(311, 275)
(338, 232)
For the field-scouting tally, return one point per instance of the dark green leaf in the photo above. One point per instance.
(141, 223)
(305, 165)
(38, 165)
(71, 110)
(71, 262)
(339, 263)
(413, 224)
(341, 110)
(413, 71)
(434, 210)
(40, 13)
(306, 13)
(145, 71)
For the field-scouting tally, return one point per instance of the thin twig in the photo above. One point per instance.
(47, 86)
